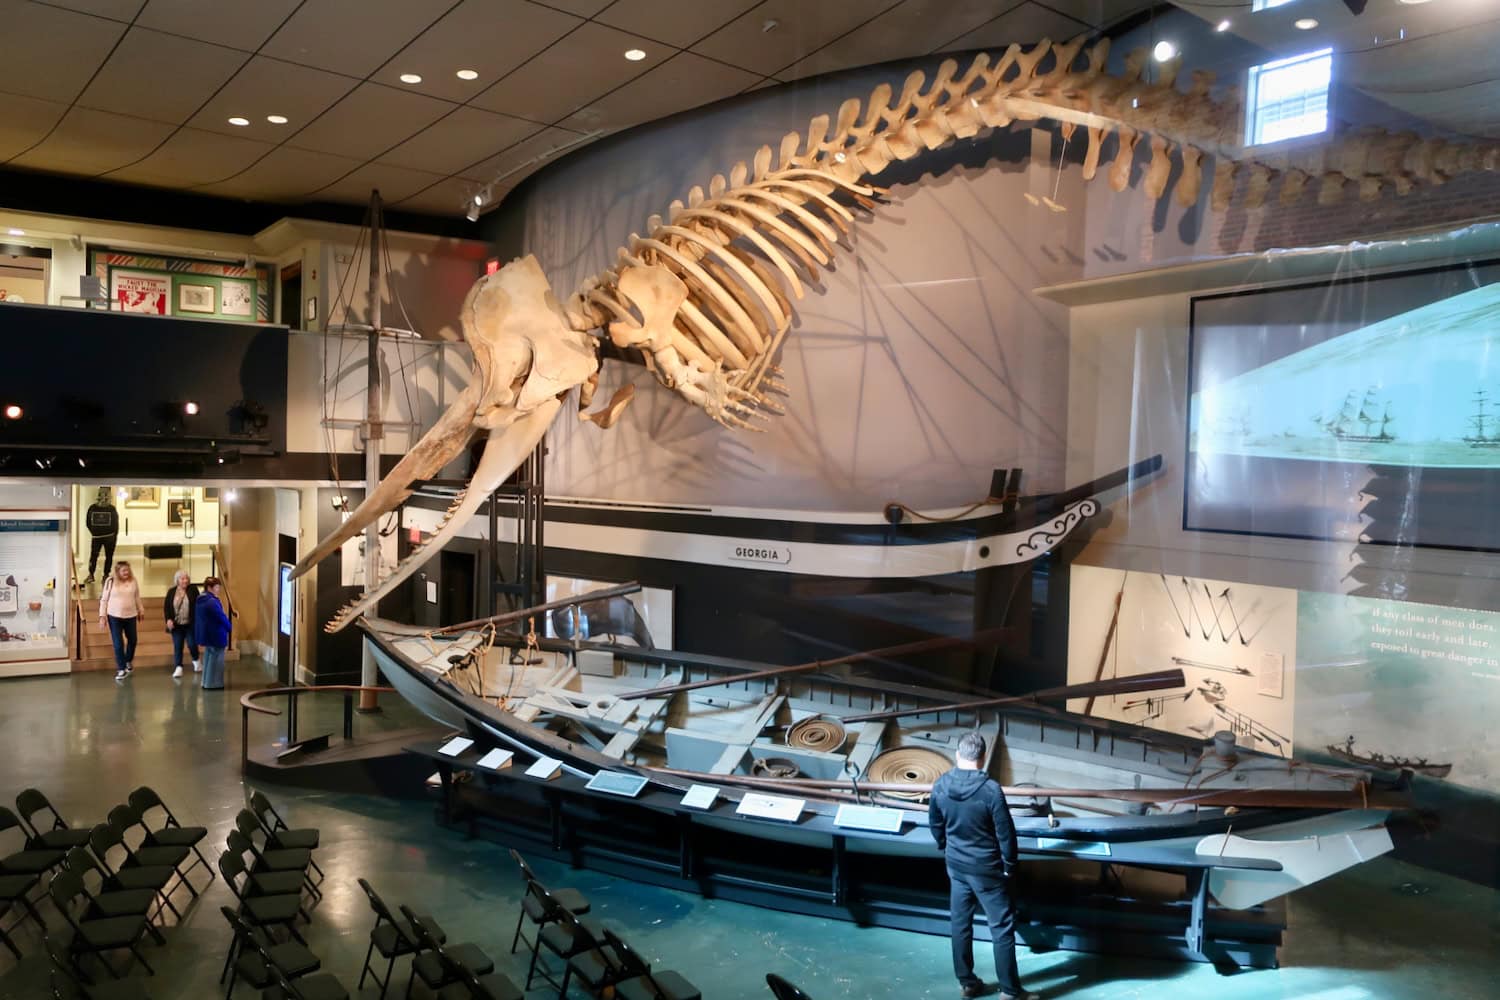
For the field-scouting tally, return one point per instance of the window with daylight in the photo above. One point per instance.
(1288, 98)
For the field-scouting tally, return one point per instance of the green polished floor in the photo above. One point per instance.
(1385, 930)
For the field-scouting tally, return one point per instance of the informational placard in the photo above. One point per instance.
(1270, 675)
(777, 807)
(617, 783)
(873, 818)
(455, 746)
(139, 291)
(495, 760)
(700, 797)
(545, 768)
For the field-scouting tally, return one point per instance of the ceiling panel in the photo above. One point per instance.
(190, 156)
(51, 53)
(446, 197)
(491, 37)
(912, 26)
(1029, 22)
(120, 10)
(672, 21)
(459, 140)
(238, 25)
(802, 28)
(132, 81)
(583, 8)
(25, 122)
(92, 142)
(369, 121)
(285, 174)
(271, 87)
(542, 144)
(585, 65)
(354, 37)
(684, 81)
(394, 184)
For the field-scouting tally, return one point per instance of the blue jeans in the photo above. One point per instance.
(183, 634)
(213, 668)
(122, 637)
(992, 894)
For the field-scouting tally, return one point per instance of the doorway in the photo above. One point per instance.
(286, 610)
(457, 573)
(291, 295)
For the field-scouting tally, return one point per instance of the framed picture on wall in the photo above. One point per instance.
(210, 494)
(144, 497)
(179, 512)
(139, 291)
(195, 298)
(237, 298)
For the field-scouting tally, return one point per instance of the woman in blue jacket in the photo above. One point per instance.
(211, 629)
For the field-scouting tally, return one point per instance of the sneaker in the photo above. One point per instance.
(120, 675)
(197, 667)
(129, 669)
(177, 673)
(89, 579)
(974, 989)
(1023, 995)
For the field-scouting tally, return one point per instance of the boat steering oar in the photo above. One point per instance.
(1120, 685)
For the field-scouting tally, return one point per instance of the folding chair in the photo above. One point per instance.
(16, 889)
(571, 900)
(593, 963)
(275, 859)
(123, 818)
(171, 833)
(472, 986)
(647, 985)
(321, 986)
(95, 937)
(130, 873)
(265, 882)
(434, 969)
(561, 932)
(58, 835)
(278, 834)
(263, 912)
(34, 858)
(106, 900)
(390, 936)
(783, 990)
(259, 956)
(68, 984)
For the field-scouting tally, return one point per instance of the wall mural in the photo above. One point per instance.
(1236, 644)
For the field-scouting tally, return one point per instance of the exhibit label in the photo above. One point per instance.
(761, 552)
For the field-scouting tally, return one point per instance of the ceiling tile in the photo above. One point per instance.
(269, 86)
(491, 37)
(585, 65)
(51, 53)
(394, 183)
(915, 26)
(238, 25)
(133, 81)
(803, 28)
(448, 197)
(1028, 22)
(25, 122)
(684, 81)
(459, 140)
(353, 37)
(538, 147)
(119, 10)
(285, 174)
(671, 21)
(583, 8)
(192, 157)
(369, 121)
(92, 142)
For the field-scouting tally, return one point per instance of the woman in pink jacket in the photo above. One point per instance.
(119, 609)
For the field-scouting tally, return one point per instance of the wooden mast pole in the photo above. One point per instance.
(374, 433)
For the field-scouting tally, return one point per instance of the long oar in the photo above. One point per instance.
(513, 616)
(905, 649)
(1093, 689)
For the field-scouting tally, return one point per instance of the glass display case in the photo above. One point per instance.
(33, 592)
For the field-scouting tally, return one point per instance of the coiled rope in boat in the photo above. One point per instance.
(907, 766)
(817, 733)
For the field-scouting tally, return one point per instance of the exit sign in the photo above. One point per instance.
(492, 265)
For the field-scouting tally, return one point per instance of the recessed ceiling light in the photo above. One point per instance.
(13, 412)
(241, 122)
(467, 74)
(635, 55)
(1163, 51)
(1305, 23)
(1222, 25)
(276, 119)
(190, 408)
(15, 232)
(1413, 3)
(410, 78)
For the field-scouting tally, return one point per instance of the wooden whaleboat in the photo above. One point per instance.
(1380, 762)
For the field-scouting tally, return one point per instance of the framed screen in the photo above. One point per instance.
(1360, 410)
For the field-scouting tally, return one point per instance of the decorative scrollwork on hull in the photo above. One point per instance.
(1041, 541)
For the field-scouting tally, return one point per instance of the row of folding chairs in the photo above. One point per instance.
(450, 971)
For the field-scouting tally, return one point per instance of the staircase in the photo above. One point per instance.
(92, 649)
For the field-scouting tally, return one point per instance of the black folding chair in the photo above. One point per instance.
(434, 969)
(593, 963)
(125, 819)
(278, 834)
(15, 890)
(560, 933)
(263, 912)
(267, 858)
(469, 985)
(95, 937)
(646, 984)
(69, 984)
(320, 986)
(171, 833)
(264, 882)
(392, 937)
(34, 857)
(259, 957)
(783, 990)
(52, 831)
(107, 898)
(570, 899)
(127, 870)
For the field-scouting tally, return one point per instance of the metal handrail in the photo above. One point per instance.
(247, 705)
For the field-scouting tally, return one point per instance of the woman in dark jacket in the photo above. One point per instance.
(212, 627)
(177, 607)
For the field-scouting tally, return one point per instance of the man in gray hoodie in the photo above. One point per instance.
(971, 823)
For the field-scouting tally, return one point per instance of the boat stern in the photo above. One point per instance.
(1307, 851)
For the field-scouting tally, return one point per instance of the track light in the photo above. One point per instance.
(13, 412)
(190, 408)
(472, 214)
(230, 496)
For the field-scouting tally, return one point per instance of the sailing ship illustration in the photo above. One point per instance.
(1356, 419)
(1381, 762)
(1486, 426)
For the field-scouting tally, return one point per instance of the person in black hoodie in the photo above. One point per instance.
(103, 522)
(971, 824)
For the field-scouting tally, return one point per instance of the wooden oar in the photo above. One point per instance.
(905, 649)
(513, 616)
(1120, 685)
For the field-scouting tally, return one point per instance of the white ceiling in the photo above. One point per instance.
(141, 91)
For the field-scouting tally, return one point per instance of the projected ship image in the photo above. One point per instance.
(1414, 389)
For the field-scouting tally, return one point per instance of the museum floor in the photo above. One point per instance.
(1384, 930)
